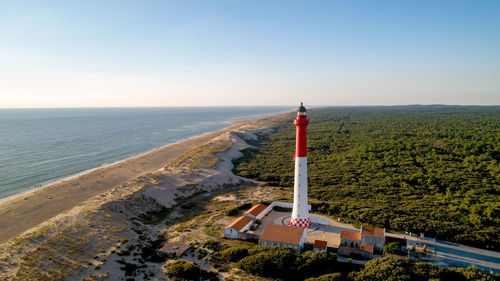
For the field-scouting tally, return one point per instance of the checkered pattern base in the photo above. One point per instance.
(306, 223)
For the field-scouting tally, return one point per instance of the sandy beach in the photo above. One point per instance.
(29, 210)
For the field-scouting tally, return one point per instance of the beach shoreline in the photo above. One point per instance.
(70, 177)
(24, 211)
(229, 123)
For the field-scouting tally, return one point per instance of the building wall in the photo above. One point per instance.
(231, 233)
(367, 255)
(350, 242)
(303, 238)
(376, 241)
(234, 234)
(277, 244)
(246, 227)
(344, 253)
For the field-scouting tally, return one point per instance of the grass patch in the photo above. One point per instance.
(204, 156)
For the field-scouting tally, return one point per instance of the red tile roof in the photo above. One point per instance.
(256, 210)
(350, 249)
(350, 235)
(239, 223)
(367, 248)
(282, 234)
(319, 244)
(374, 231)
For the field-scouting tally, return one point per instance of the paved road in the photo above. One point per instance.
(447, 253)
(452, 254)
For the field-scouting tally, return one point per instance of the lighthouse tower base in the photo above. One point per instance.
(305, 223)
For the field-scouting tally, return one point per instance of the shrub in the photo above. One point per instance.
(233, 212)
(148, 250)
(182, 270)
(388, 268)
(234, 254)
(311, 264)
(392, 248)
(274, 262)
(200, 253)
(245, 206)
(212, 245)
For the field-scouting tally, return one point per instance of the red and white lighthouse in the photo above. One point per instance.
(300, 213)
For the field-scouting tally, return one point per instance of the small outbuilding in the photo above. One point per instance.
(373, 236)
(367, 250)
(319, 246)
(255, 211)
(238, 226)
(350, 239)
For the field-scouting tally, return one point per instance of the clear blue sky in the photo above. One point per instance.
(180, 53)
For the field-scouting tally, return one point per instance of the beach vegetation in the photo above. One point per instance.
(130, 269)
(148, 250)
(237, 210)
(182, 270)
(212, 245)
(203, 156)
(154, 217)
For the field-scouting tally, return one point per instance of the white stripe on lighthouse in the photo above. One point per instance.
(300, 207)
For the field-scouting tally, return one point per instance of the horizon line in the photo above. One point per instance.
(214, 106)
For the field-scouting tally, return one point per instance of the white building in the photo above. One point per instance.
(237, 227)
(255, 211)
(373, 236)
(319, 246)
(283, 236)
(350, 239)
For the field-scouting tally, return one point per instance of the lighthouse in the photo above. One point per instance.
(300, 213)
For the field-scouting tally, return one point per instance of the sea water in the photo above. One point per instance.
(39, 146)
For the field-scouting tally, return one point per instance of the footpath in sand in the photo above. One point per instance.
(29, 210)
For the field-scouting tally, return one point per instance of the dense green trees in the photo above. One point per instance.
(337, 276)
(394, 269)
(275, 262)
(287, 264)
(393, 248)
(421, 169)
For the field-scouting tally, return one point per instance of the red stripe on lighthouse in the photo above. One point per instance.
(301, 123)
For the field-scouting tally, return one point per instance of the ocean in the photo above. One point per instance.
(41, 146)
